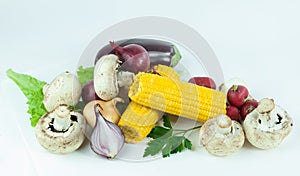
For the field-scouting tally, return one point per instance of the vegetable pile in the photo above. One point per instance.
(134, 94)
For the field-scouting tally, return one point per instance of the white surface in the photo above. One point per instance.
(257, 40)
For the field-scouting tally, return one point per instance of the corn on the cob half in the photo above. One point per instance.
(137, 121)
(177, 97)
(166, 71)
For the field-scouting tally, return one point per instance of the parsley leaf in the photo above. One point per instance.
(155, 146)
(33, 90)
(166, 121)
(157, 132)
(187, 144)
(165, 141)
(85, 74)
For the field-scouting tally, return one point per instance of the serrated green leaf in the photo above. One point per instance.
(155, 146)
(85, 74)
(166, 151)
(187, 144)
(176, 141)
(174, 145)
(178, 145)
(166, 121)
(166, 144)
(178, 149)
(32, 88)
(158, 131)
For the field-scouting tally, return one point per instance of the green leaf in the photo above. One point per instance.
(187, 144)
(167, 145)
(174, 143)
(155, 146)
(158, 131)
(166, 151)
(32, 88)
(178, 149)
(85, 74)
(165, 141)
(166, 120)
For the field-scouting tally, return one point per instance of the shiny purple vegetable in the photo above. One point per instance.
(160, 52)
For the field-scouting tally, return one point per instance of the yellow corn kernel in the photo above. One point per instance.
(166, 71)
(177, 97)
(137, 121)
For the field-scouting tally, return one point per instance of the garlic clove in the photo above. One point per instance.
(108, 110)
(107, 138)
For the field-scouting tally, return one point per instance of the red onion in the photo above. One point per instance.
(107, 138)
(135, 58)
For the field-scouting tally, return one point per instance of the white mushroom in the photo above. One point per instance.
(105, 77)
(64, 89)
(221, 136)
(61, 131)
(267, 125)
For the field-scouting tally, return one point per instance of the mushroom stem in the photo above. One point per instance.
(224, 123)
(61, 121)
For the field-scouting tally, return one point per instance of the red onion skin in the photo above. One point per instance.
(107, 138)
(88, 92)
(134, 57)
(160, 52)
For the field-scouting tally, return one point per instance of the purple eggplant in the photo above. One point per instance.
(160, 52)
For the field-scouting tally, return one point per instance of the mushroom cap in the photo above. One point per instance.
(64, 89)
(61, 141)
(105, 77)
(267, 130)
(221, 136)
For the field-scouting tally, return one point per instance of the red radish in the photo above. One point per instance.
(233, 112)
(248, 107)
(203, 81)
(237, 95)
(135, 58)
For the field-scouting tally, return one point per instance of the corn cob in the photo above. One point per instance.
(177, 97)
(166, 71)
(137, 127)
(137, 121)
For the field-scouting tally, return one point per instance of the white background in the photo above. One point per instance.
(256, 40)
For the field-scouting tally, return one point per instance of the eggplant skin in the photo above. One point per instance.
(160, 52)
